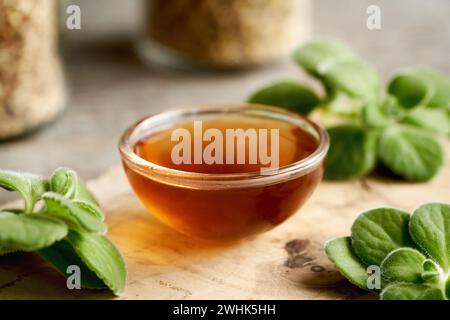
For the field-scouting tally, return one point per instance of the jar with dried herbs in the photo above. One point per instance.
(218, 33)
(32, 88)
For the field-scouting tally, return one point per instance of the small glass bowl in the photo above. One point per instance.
(225, 206)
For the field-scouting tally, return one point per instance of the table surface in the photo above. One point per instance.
(287, 262)
(110, 88)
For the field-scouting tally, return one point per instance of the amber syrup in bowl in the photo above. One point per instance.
(236, 193)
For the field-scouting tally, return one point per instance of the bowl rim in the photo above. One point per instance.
(223, 180)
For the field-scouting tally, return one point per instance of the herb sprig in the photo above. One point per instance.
(397, 128)
(411, 251)
(66, 229)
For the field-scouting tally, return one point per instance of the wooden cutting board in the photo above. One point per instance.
(285, 263)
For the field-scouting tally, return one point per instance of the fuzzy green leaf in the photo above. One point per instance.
(430, 266)
(390, 106)
(431, 271)
(434, 120)
(289, 95)
(374, 117)
(91, 208)
(6, 250)
(403, 265)
(67, 183)
(352, 152)
(314, 53)
(76, 215)
(437, 87)
(447, 288)
(102, 257)
(61, 255)
(377, 232)
(440, 84)
(354, 77)
(409, 291)
(340, 252)
(409, 90)
(31, 187)
(29, 232)
(410, 153)
(429, 228)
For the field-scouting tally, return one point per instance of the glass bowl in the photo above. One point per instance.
(222, 206)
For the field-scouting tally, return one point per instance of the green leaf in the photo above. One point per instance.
(314, 53)
(91, 208)
(66, 182)
(102, 257)
(61, 255)
(431, 271)
(409, 90)
(434, 120)
(431, 276)
(377, 232)
(340, 252)
(352, 152)
(403, 265)
(437, 85)
(5, 250)
(430, 229)
(76, 215)
(430, 265)
(408, 291)
(29, 232)
(391, 108)
(354, 77)
(410, 153)
(373, 116)
(447, 288)
(287, 94)
(340, 105)
(441, 88)
(30, 186)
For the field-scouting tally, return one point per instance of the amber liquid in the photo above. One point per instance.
(228, 213)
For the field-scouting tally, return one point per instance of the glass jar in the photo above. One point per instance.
(223, 34)
(32, 87)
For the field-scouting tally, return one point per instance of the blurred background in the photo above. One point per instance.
(109, 87)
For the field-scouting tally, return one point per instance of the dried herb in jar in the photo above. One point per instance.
(32, 89)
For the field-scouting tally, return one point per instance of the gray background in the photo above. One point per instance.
(110, 88)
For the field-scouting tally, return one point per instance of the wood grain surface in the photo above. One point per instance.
(285, 263)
